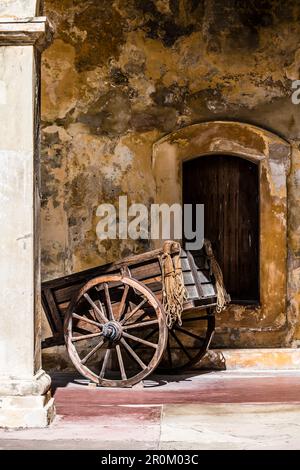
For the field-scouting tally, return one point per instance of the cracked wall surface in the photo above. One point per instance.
(120, 75)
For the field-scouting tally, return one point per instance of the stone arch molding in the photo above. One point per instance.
(272, 154)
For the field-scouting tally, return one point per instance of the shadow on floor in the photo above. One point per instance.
(64, 379)
(159, 380)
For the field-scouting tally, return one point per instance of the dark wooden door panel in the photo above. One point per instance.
(228, 188)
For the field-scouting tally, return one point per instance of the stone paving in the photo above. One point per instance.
(217, 410)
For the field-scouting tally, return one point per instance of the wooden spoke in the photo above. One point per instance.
(82, 331)
(99, 314)
(181, 345)
(136, 309)
(140, 317)
(203, 317)
(121, 363)
(100, 306)
(190, 356)
(110, 313)
(105, 361)
(92, 352)
(87, 320)
(140, 340)
(186, 332)
(146, 337)
(133, 354)
(123, 302)
(115, 305)
(139, 325)
(80, 338)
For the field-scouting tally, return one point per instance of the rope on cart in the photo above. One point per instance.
(173, 288)
(223, 298)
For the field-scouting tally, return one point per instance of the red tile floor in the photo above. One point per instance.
(215, 410)
(212, 387)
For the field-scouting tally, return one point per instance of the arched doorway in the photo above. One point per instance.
(239, 324)
(228, 187)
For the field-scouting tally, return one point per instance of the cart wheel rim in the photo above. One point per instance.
(179, 355)
(115, 334)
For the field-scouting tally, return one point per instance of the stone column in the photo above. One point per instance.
(25, 400)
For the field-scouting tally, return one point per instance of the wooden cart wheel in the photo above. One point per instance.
(106, 323)
(187, 344)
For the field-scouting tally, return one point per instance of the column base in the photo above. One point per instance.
(26, 402)
(39, 384)
(31, 411)
(251, 359)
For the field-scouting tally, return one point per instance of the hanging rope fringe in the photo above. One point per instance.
(223, 298)
(174, 291)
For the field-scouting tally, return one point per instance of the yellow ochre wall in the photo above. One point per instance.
(119, 76)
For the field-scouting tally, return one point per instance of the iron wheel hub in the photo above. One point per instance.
(112, 331)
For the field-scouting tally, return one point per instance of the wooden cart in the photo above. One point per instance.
(113, 323)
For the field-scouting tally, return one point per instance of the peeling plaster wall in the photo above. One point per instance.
(120, 75)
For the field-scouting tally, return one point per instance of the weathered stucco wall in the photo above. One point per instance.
(120, 75)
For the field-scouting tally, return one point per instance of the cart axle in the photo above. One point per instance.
(112, 330)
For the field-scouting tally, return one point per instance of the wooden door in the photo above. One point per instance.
(228, 188)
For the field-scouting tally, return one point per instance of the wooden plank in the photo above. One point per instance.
(140, 273)
(203, 277)
(48, 314)
(195, 275)
(208, 290)
(56, 340)
(52, 310)
(66, 294)
(188, 278)
(110, 268)
(192, 292)
(185, 264)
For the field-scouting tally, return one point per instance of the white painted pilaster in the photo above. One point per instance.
(24, 396)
